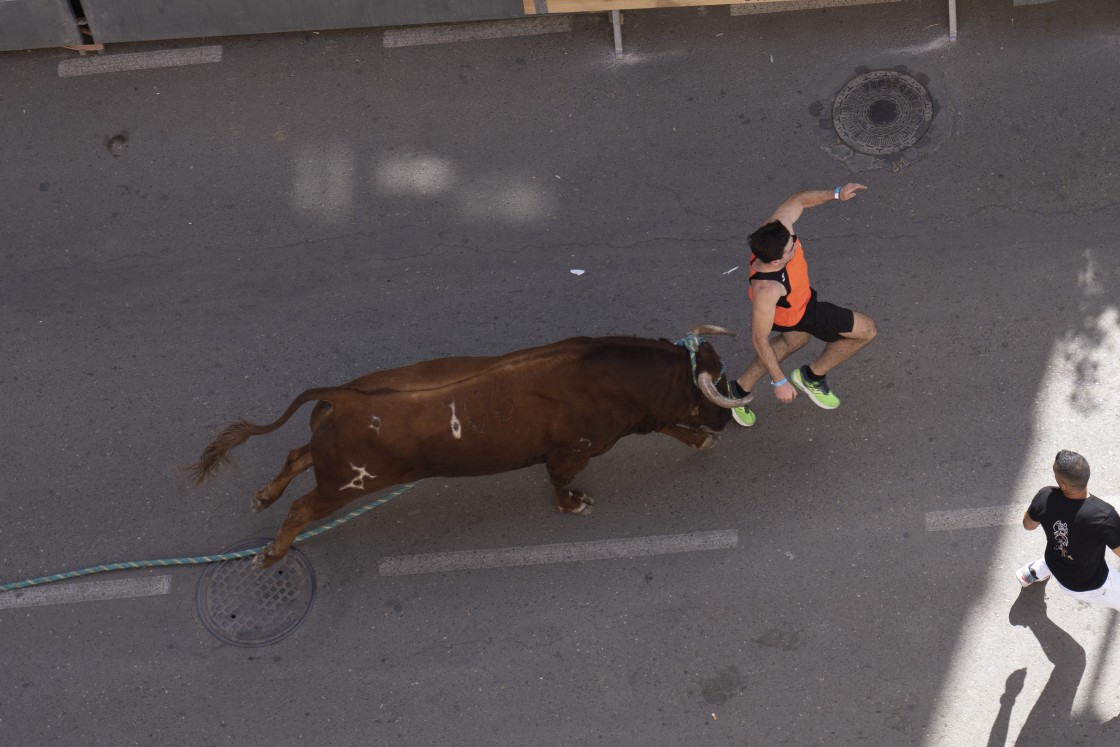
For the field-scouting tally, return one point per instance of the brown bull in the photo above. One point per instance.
(560, 405)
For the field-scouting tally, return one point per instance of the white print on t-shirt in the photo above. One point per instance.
(1061, 538)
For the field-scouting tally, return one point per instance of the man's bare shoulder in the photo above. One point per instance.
(766, 287)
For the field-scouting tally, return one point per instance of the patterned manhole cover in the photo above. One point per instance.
(882, 112)
(247, 607)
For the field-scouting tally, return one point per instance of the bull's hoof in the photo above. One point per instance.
(259, 502)
(582, 507)
(266, 557)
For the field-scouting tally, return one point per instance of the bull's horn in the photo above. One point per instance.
(704, 381)
(710, 329)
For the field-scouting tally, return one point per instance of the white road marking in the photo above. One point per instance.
(776, 6)
(567, 552)
(458, 32)
(975, 518)
(63, 592)
(116, 63)
(324, 179)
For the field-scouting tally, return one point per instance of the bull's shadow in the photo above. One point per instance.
(1050, 720)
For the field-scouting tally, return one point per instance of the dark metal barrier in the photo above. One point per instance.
(30, 24)
(140, 20)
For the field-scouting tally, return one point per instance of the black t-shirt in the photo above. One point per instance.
(1077, 532)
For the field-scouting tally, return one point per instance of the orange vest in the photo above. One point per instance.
(795, 277)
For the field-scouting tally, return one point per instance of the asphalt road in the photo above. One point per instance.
(185, 246)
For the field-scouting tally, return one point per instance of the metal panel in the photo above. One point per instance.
(136, 20)
(30, 24)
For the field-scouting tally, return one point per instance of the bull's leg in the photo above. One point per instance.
(697, 439)
(562, 469)
(299, 460)
(311, 507)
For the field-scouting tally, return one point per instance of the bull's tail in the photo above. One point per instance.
(235, 434)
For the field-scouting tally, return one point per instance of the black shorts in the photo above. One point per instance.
(823, 320)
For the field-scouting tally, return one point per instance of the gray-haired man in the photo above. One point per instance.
(1079, 526)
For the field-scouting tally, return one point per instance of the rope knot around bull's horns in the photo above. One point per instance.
(691, 342)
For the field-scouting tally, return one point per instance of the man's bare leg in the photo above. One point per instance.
(784, 345)
(835, 353)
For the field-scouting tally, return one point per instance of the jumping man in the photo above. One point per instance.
(783, 301)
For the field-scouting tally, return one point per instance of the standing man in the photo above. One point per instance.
(783, 301)
(1078, 526)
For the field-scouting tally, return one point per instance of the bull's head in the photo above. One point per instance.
(704, 378)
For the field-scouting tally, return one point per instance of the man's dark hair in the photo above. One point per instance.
(1073, 468)
(769, 242)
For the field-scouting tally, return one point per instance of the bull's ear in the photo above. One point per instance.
(707, 359)
(708, 355)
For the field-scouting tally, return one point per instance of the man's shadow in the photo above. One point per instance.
(1050, 722)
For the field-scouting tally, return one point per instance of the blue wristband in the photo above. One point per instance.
(779, 383)
(836, 194)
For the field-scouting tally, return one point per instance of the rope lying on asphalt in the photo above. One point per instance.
(203, 558)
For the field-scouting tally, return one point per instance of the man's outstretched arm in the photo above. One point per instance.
(790, 210)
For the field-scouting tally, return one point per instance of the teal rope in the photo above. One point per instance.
(203, 558)
(692, 343)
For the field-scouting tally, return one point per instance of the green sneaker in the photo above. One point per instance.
(818, 391)
(744, 416)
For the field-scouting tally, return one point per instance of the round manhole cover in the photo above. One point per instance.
(882, 112)
(247, 607)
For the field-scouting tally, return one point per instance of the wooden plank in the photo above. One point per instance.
(752, 8)
(533, 7)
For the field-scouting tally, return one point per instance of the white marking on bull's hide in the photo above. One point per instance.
(375, 424)
(456, 426)
(359, 481)
(583, 445)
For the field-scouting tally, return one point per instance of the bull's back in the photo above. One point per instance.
(449, 371)
(477, 416)
(424, 374)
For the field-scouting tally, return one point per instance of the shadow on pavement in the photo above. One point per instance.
(1051, 720)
